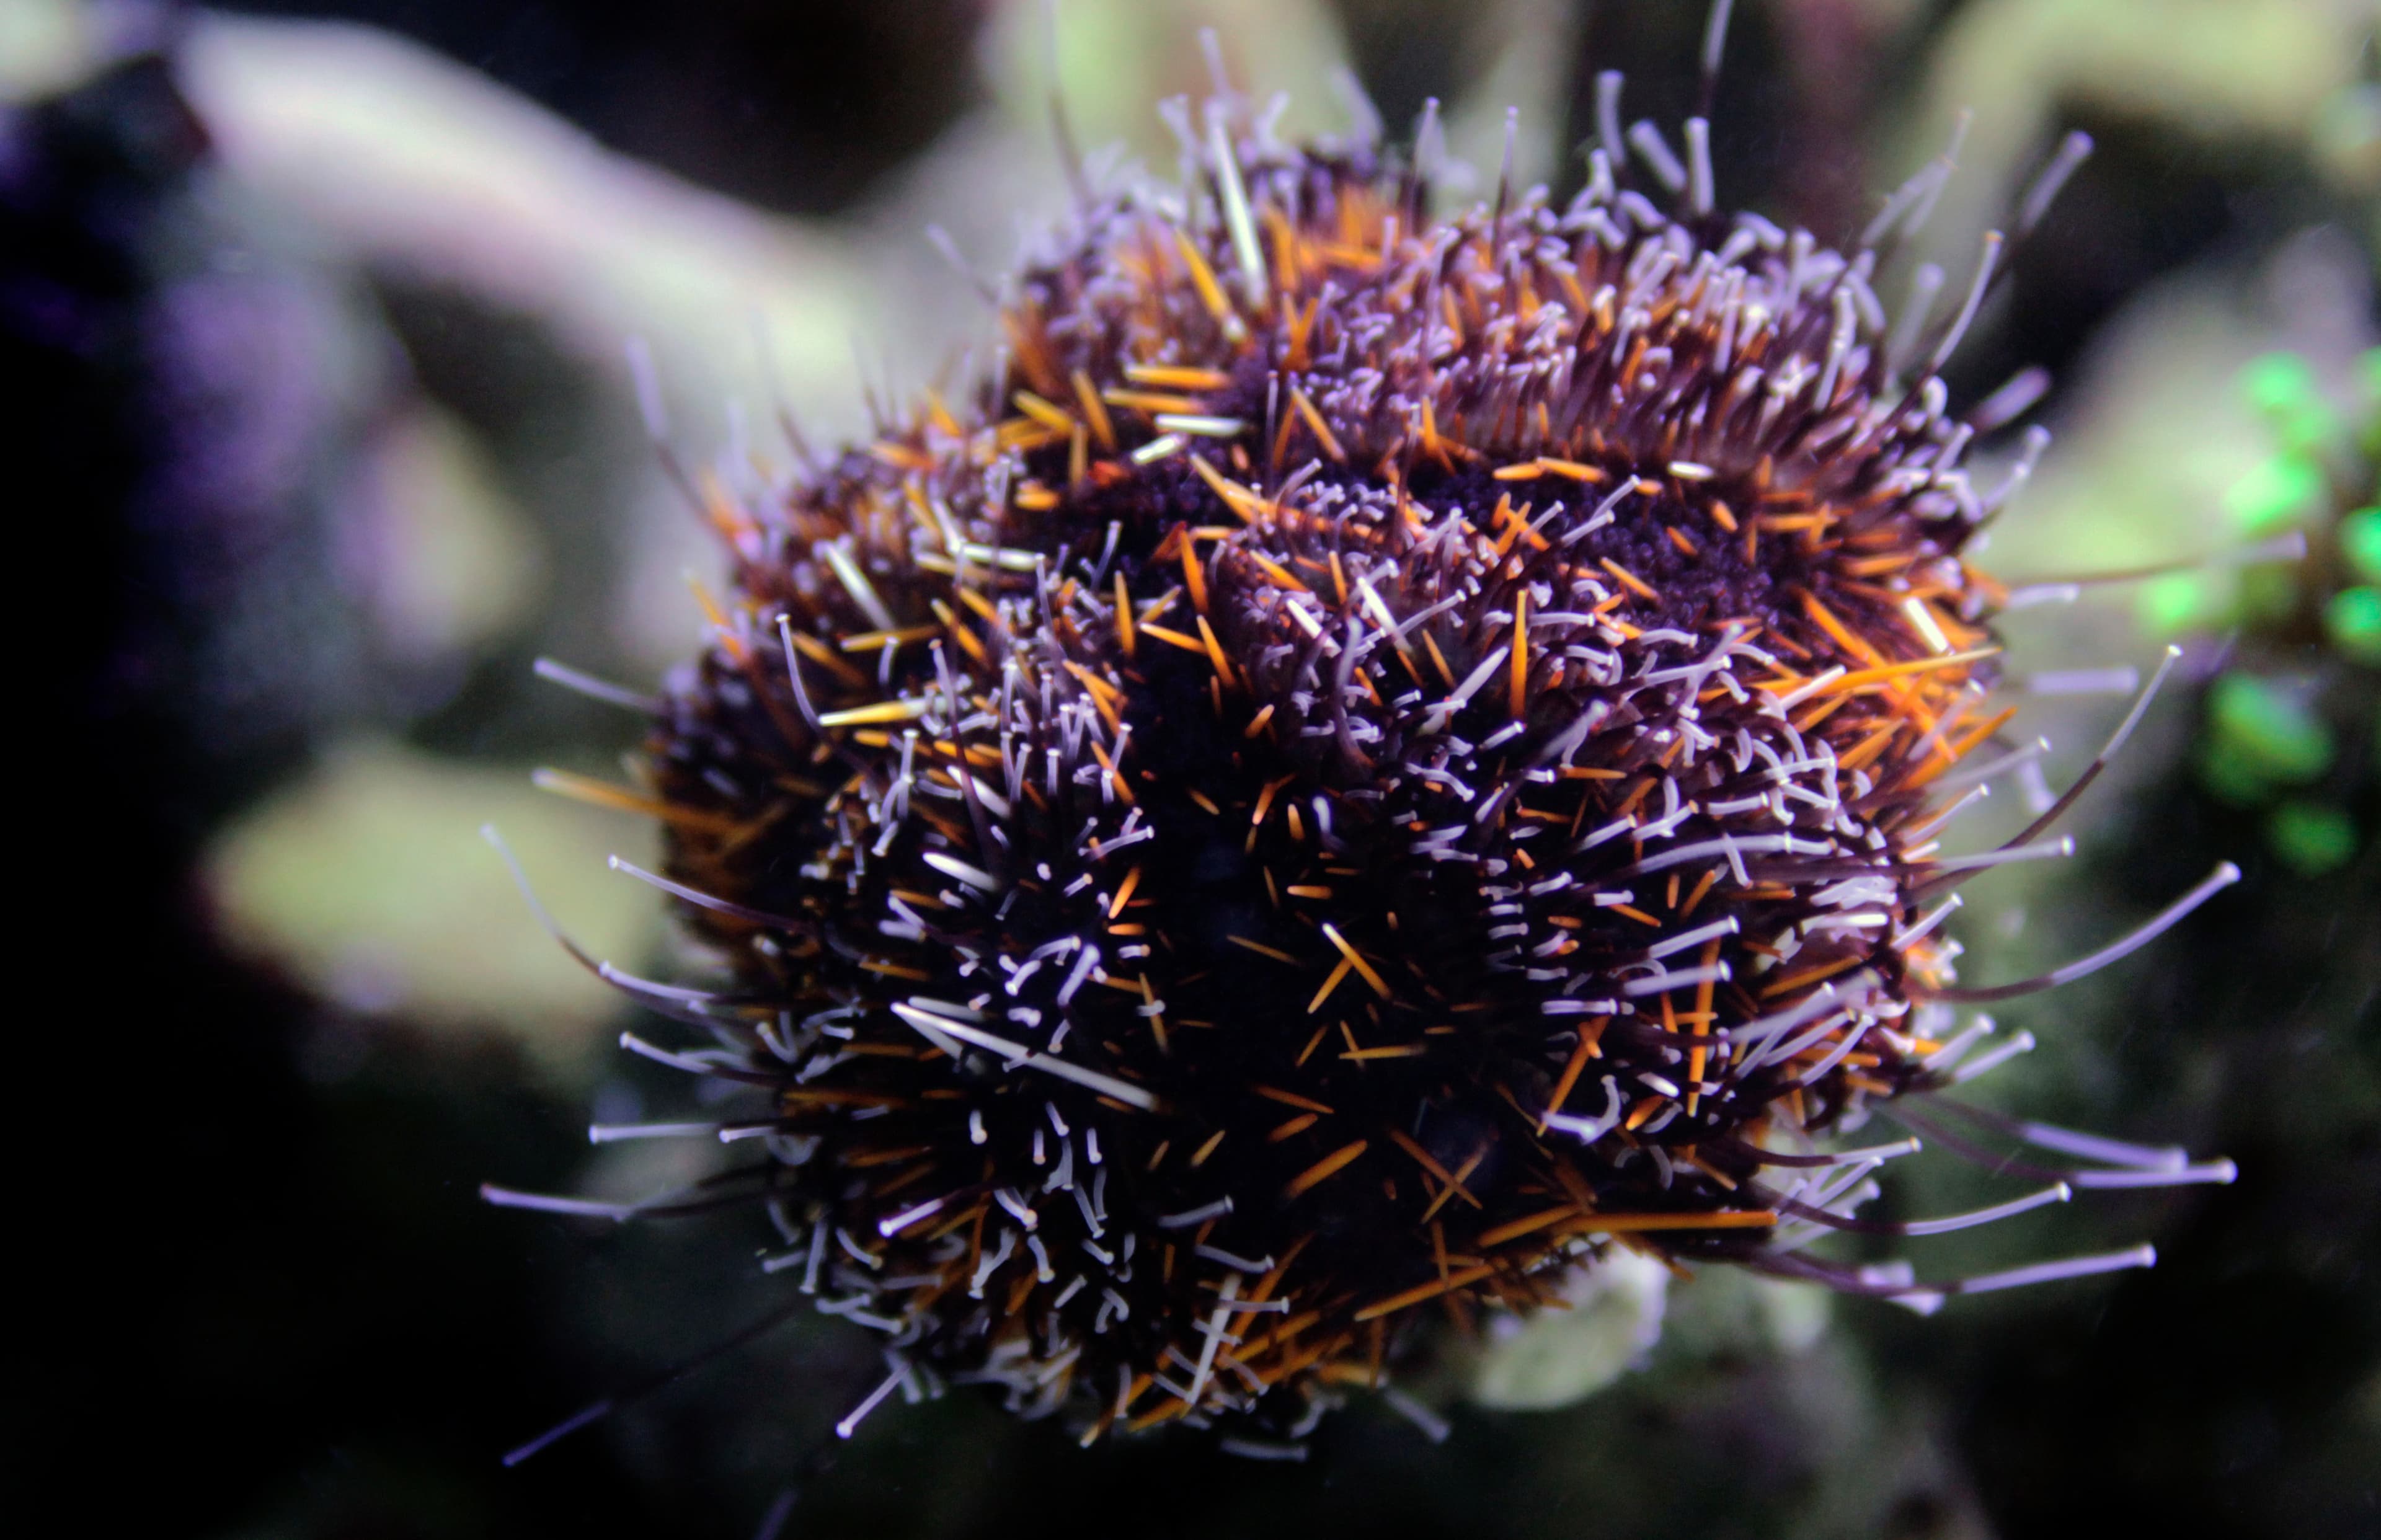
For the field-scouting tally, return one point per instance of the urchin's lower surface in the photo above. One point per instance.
(1376, 758)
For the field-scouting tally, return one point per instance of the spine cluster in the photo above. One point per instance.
(1376, 758)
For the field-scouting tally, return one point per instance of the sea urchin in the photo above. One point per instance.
(1373, 757)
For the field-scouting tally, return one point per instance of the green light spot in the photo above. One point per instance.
(2312, 838)
(2282, 389)
(2353, 619)
(2359, 537)
(2278, 383)
(2173, 603)
(2266, 732)
(2278, 491)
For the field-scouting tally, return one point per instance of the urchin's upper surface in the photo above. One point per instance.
(1375, 752)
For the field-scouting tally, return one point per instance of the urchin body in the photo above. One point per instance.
(1376, 757)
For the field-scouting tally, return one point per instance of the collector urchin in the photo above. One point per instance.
(1371, 759)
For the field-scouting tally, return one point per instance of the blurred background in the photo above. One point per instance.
(317, 318)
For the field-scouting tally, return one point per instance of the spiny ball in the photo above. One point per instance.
(1370, 759)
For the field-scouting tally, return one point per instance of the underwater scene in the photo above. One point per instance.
(946, 767)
